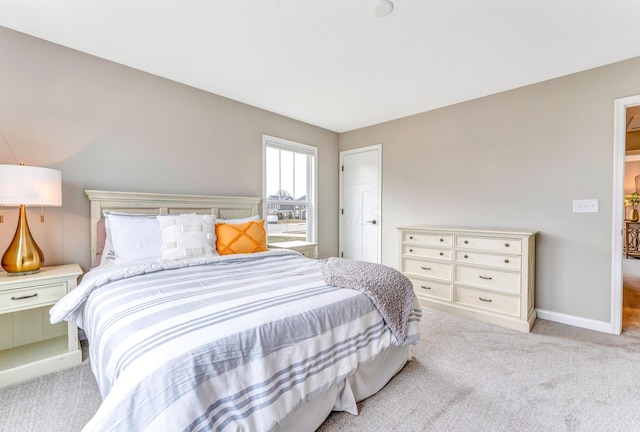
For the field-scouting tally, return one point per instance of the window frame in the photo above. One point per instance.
(312, 180)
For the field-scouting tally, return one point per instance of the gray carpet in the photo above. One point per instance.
(466, 376)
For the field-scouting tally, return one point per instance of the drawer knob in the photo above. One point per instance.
(466, 256)
(410, 250)
(24, 297)
(506, 245)
(485, 277)
(506, 261)
(441, 254)
(410, 237)
(441, 240)
(466, 242)
(424, 287)
(485, 300)
(425, 268)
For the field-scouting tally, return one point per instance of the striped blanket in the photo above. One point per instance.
(225, 343)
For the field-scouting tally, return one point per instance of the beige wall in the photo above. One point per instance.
(515, 160)
(110, 127)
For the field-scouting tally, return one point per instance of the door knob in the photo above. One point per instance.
(372, 221)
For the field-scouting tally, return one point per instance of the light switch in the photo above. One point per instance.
(585, 206)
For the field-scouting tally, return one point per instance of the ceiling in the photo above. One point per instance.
(334, 63)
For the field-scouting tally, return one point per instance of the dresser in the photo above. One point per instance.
(486, 274)
(30, 345)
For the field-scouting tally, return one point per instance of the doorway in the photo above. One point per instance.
(621, 107)
(631, 238)
(361, 204)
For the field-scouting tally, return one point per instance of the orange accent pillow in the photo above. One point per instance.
(239, 238)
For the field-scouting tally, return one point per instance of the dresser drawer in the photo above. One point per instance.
(501, 261)
(425, 252)
(494, 302)
(502, 245)
(431, 289)
(429, 239)
(428, 269)
(485, 278)
(24, 298)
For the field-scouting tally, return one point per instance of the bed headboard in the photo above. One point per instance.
(223, 207)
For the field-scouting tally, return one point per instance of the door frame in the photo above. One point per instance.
(619, 150)
(378, 148)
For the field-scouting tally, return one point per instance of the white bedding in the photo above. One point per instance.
(223, 343)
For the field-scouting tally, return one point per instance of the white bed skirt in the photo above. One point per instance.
(370, 378)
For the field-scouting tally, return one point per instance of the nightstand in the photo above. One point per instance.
(307, 249)
(30, 346)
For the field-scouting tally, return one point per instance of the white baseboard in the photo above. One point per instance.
(600, 326)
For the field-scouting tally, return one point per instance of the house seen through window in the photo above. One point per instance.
(289, 190)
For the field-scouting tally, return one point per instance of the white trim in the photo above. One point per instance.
(619, 145)
(378, 148)
(572, 320)
(312, 190)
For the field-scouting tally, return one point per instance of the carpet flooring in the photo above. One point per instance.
(465, 376)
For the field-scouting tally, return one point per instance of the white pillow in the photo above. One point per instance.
(187, 236)
(108, 253)
(131, 237)
(237, 221)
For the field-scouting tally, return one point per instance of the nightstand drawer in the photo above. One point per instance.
(25, 298)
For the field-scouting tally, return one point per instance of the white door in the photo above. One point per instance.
(360, 204)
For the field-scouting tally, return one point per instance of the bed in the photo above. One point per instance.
(248, 341)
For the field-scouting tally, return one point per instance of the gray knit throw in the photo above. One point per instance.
(389, 290)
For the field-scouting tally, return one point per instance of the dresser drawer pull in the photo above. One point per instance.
(485, 300)
(410, 237)
(506, 261)
(441, 254)
(466, 242)
(466, 256)
(425, 268)
(506, 245)
(24, 297)
(424, 287)
(485, 277)
(441, 240)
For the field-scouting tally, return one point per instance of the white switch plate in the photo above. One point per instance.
(585, 206)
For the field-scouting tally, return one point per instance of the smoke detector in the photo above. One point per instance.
(382, 8)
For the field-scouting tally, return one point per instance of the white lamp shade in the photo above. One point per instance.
(28, 185)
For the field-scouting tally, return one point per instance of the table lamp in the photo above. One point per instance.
(27, 186)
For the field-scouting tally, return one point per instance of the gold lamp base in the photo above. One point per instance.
(23, 255)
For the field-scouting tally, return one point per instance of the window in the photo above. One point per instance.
(289, 190)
